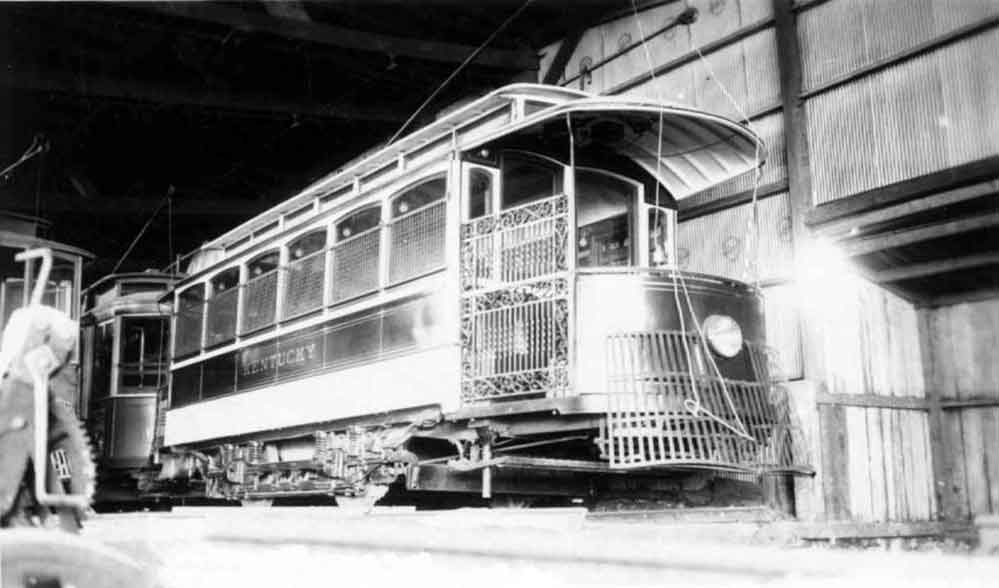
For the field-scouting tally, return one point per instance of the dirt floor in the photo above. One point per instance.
(504, 547)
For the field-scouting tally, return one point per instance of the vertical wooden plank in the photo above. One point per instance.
(990, 451)
(876, 465)
(889, 423)
(834, 462)
(929, 485)
(808, 491)
(942, 456)
(953, 495)
(858, 454)
(978, 493)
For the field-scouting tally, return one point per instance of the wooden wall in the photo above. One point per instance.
(963, 344)
(875, 457)
(849, 95)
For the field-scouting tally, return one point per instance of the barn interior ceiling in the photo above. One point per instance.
(233, 105)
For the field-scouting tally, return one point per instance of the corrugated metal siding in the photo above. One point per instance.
(839, 36)
(919, 117)
(770, 128)
(718, 243)
(747, 69)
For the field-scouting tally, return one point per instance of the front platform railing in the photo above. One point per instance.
(515, 302)
(666, 406)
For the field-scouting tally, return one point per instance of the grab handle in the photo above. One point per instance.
(43, 274)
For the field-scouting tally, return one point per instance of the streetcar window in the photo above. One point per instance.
(526, 179)
(262, 264)
(604, 206)
(59, 288)
(142, 358)
(225, 281)
(416, 232)
(220, 313)
(307, 245)
(190, 305)
(660, 236)
(103, 348)
(260, 292)
(356, 254)
(303, 289)
(127, 288)
(419, 196)
(358, 223)
(480, 193)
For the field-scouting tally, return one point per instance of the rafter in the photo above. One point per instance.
(177, 95)
(903, 237)
(345, 38)
(183, 205)
(933, 268)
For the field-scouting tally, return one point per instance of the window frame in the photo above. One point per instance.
(558, 177)
(246, 280)
(204, 286)
(286, 261)
(638, 223)
(389, 221)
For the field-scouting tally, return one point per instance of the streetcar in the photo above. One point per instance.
(46, 471)
(125, 341)
(490, 305)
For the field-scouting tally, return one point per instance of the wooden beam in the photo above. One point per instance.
(954, 177)
(688, 210)
(905, 237)
(843, 226)
(961, 297)
(335, 36)
(932, 268)
(120, 206)
(942, 469)
(976, 402)
(872, 401)
(850, 530)
(176, 95)
(565, 51)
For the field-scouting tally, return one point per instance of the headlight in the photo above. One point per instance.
(723, 334)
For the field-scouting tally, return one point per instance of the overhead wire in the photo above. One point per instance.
(145, 227)
(693, 405)
(471, 57)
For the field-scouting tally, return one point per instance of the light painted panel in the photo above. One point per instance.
(919, 117)
(429, 377)
(716, 19)
(721, 243)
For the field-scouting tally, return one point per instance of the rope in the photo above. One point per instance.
(142, 231)
(692, 405)
(170, 224)
(753, 224)
(460, 67)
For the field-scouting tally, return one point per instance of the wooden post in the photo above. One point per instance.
(830, 488)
